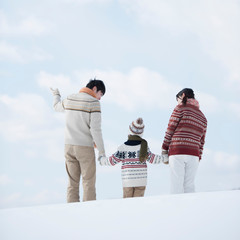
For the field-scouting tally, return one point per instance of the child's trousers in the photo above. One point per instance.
(129, 192)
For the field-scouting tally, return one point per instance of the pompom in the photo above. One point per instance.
(139, 121)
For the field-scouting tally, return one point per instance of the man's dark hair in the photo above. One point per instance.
(98, 84)
(189, 93)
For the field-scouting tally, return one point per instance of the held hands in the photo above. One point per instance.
(55, 91)
(100, 159)
(165, 157)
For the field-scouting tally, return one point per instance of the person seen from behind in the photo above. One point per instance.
(134, 155)
(82, 131)
(184, 141)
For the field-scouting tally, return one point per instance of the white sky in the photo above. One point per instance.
(145, 52)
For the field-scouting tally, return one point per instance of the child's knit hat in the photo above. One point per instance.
(137, 127)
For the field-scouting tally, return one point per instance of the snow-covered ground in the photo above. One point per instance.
(198, 216)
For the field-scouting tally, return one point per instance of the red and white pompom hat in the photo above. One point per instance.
(136, 127)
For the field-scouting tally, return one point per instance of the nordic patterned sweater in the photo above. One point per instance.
(134, 172)
(186, 130)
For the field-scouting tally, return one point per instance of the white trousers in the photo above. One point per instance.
(183, 169)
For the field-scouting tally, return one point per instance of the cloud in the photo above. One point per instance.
(11, 200)
(23, 26)
(226, 160)
(60, 81)
(12, 53)
(213, 161)
(31, 109)
(37, 54)
(216, 23)
(208, 103)
(29, 119)
(84, 2)
(18, 199)
(5, 180)
(140, 88)
(235, 108)
(143, 88)
(9, 52)
(220, 162)
(29, 182)
(43, 197)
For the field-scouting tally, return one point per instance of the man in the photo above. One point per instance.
(82, 131)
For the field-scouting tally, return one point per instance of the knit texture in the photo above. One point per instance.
(143, 149)
(83, 120)
(186, 130)
(137, 127)
(88, 91)
(134, 172)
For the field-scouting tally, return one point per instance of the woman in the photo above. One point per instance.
(184, 140)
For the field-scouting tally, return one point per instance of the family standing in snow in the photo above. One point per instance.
(182, 147)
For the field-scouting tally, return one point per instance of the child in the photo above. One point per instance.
(133, 154)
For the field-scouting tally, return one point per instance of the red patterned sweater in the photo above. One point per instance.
(186, 130)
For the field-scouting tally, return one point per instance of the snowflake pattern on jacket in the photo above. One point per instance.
(134, 172)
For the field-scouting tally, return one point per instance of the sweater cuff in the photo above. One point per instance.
(165, 147)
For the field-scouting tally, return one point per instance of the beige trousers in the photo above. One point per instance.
(80, 160)
(133, 192)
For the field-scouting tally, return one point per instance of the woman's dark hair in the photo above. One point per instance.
(98, 84)
(188, 94)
